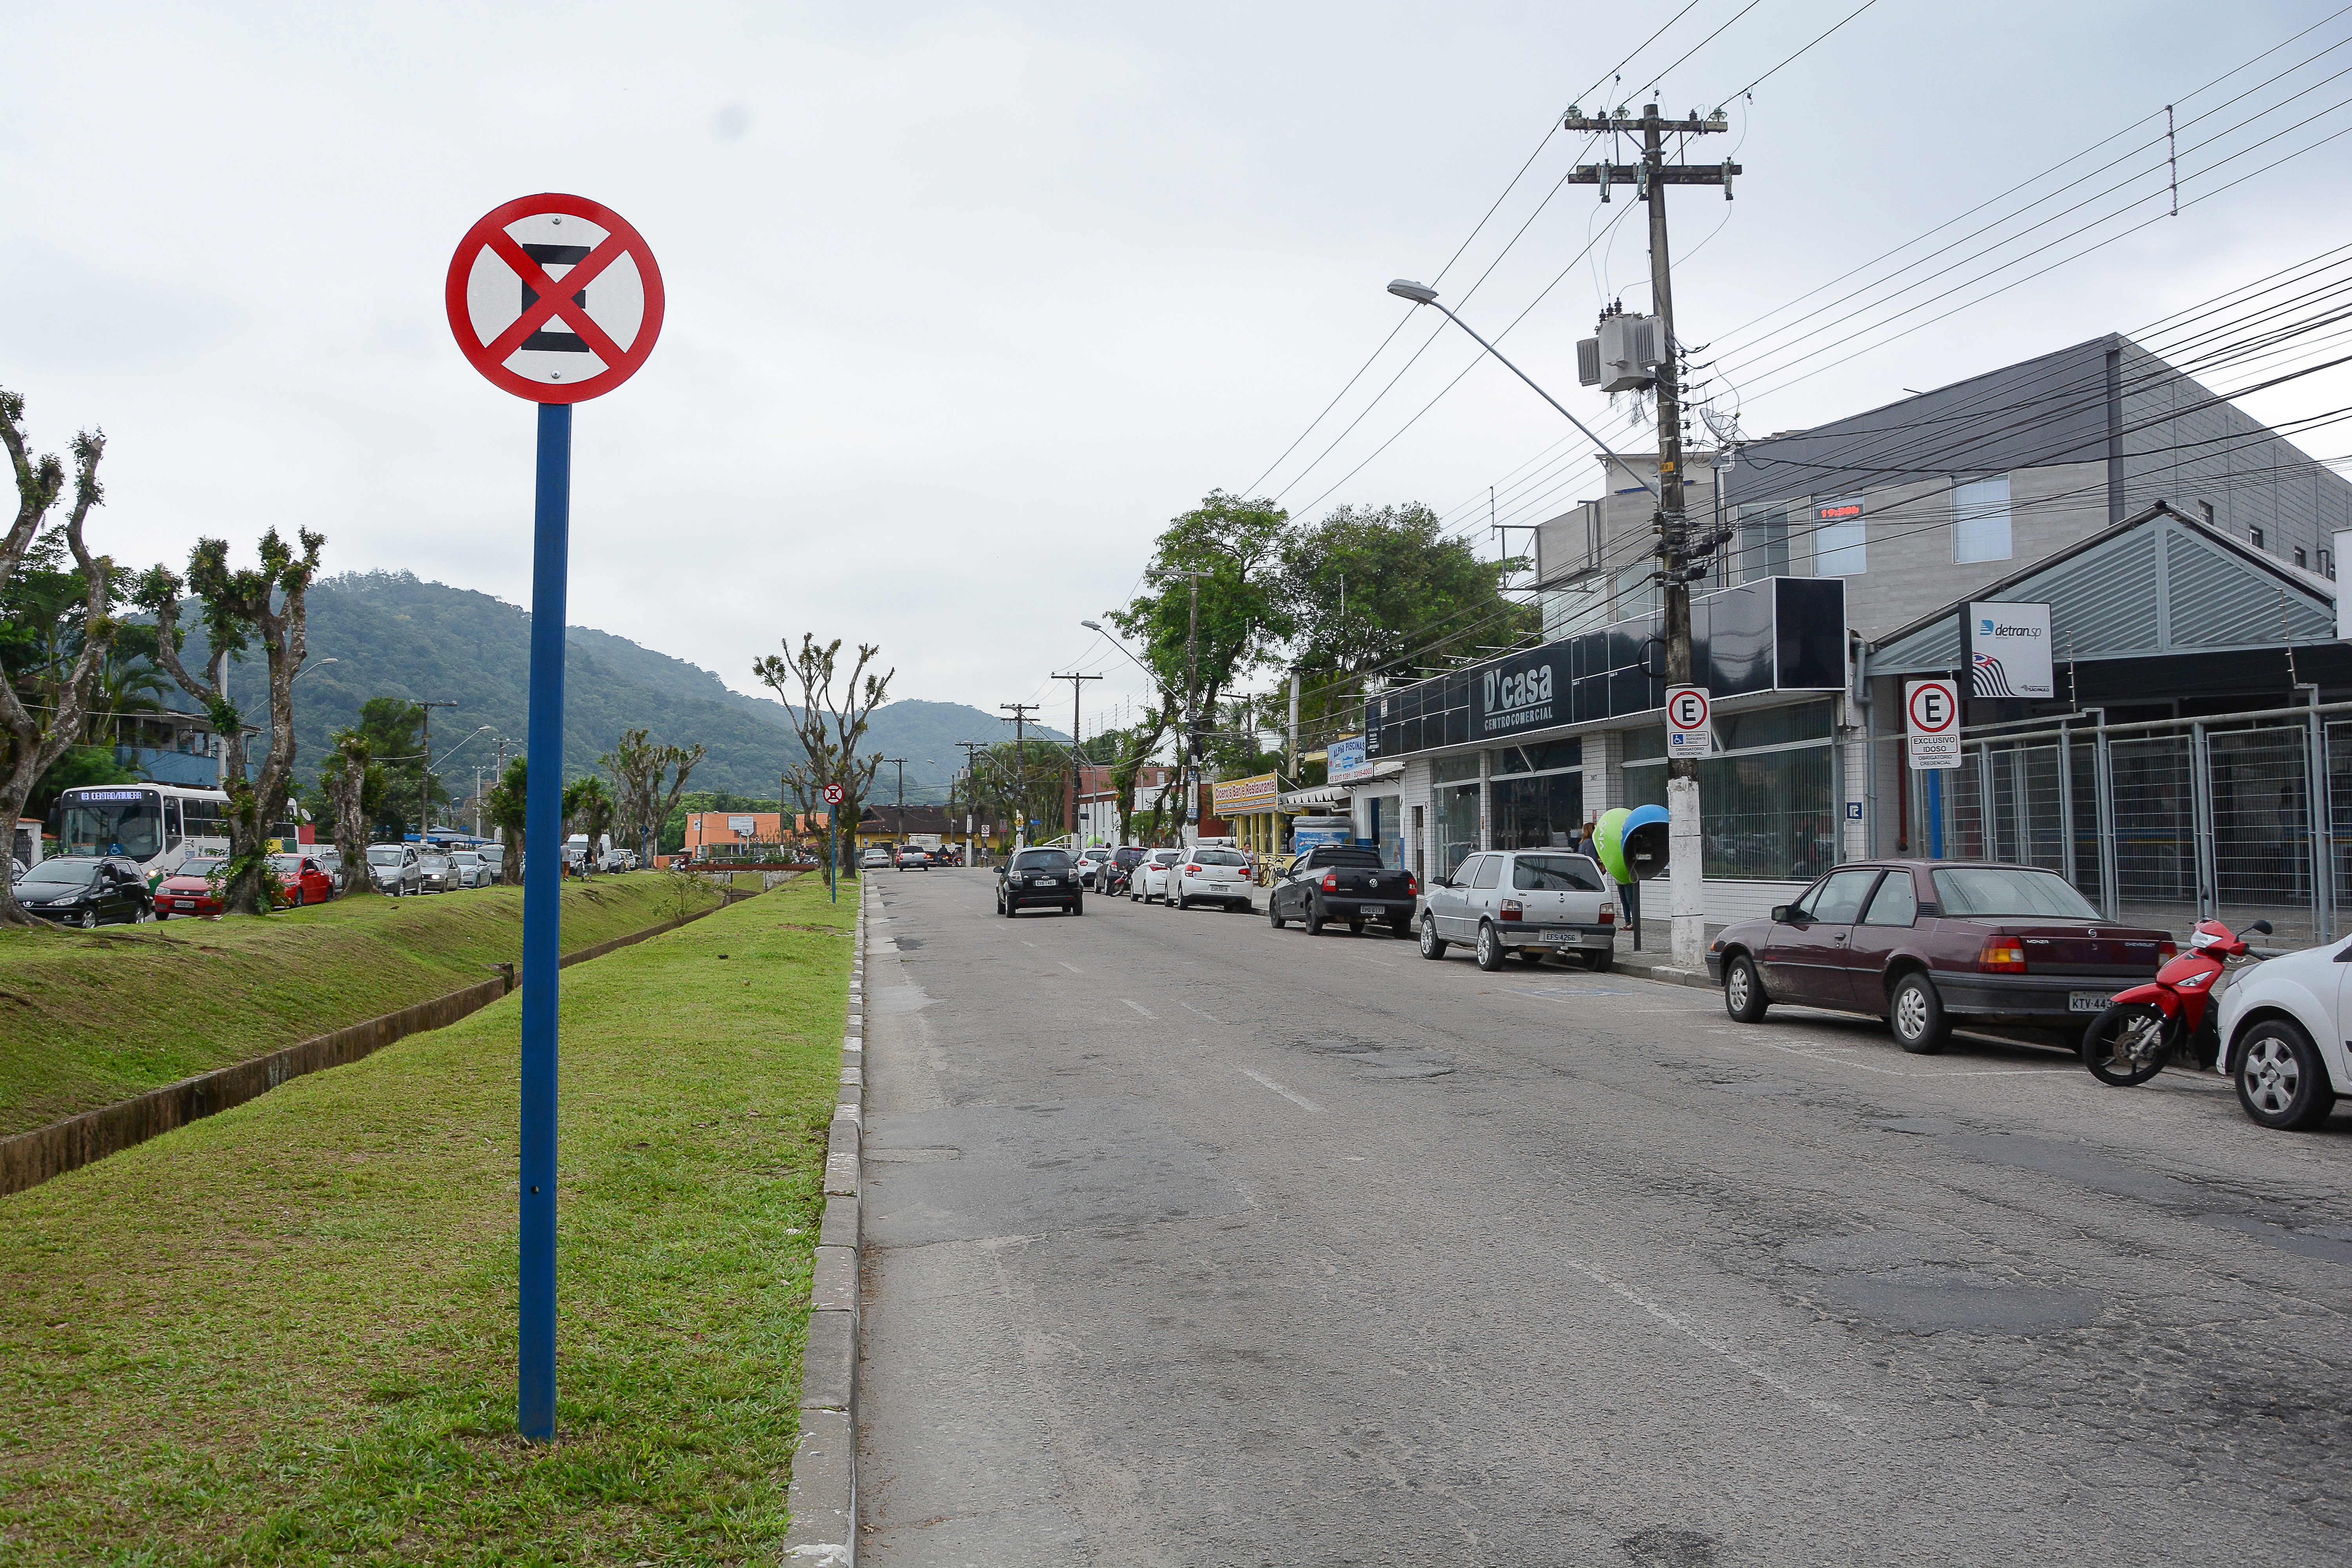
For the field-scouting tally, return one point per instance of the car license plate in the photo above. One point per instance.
(185, 903)
(2087, 1001)
(1561, 938)
(1049, 881)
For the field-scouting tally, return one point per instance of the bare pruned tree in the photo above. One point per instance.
(830, 728)
(35, 741)
(344, 777)
(637, 762)
(242, 605)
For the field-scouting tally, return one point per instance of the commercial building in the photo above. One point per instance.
(2185, 551)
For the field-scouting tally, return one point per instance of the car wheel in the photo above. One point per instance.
(1400, 928)
(2281, 1082)
(89, 919)
(1314, 921)
(1432, 944)
(1272, 916)
(1489, 949)
(1183, 901)
(147, 914)
(2125, 1046)
(301, 897)
(1077, 906)
(1917, 1015)
(1743, 988)
(1600, 962)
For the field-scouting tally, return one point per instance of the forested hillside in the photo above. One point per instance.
(390, 634)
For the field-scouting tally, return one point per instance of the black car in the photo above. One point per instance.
(1347, 883)
(1037, 877)
(85, 891)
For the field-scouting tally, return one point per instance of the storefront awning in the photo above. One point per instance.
(1319, 799)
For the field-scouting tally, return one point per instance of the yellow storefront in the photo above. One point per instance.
(1253, 807)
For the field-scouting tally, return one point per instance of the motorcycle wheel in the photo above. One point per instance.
(2125, 1045)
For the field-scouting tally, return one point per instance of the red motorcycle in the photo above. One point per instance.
(2171, 1018)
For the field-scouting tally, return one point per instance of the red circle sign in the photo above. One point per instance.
(1679, 706)
(834, 795)
(1924, 701)
(554, 299)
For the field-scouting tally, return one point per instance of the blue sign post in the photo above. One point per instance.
(554, 345)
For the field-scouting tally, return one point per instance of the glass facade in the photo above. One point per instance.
(1768, 815)
(1386, 834)
(1539, 813)
(1455, 807)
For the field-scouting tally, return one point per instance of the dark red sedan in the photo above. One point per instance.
(189, 890)
(1926, 944)
(301, 879)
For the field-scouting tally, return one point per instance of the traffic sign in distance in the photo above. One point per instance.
(554, 299)
(834, 795)
(1932, 712)
(1689, 733)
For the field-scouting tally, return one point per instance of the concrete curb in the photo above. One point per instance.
(1642, 966)
(823, 1498)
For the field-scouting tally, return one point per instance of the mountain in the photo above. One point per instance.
(390, 634)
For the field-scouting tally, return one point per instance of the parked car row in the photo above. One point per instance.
(406, 871)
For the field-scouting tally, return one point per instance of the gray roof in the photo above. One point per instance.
(2157, 582)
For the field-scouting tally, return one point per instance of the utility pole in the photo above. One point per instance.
(1681, 553)
(1077, 761)
(972, 750)
(900, 764)
(1293, 727)
(425, 775)
(1021, 712)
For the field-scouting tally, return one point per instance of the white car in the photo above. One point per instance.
(2283, 1034)
(1211, 877)
(1090, 864)
(1149, 880)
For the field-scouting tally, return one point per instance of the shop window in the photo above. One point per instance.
(1839, 549)
(1768, 815)
(1546, 758)
(1540, 813)
(1981, 520)
(1447, 770)
(1456, 810)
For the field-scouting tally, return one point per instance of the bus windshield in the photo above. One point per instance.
(128, 822)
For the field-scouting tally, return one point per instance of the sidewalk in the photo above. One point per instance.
(1655, 959)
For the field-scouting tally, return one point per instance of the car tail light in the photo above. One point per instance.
(2166, 953)
(1608, 914)
(1412, 884)
(1330, 881)
(1511, 910)
(2002, 954)
(1191, 870)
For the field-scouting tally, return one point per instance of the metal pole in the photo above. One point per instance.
(2200, 827)
(542, 937)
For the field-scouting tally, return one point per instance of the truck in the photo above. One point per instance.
(1347, 883)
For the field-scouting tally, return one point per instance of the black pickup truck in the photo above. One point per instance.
(1336, 882)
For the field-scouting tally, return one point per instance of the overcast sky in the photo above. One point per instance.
(965, 301)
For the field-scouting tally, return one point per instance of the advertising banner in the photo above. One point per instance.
(1931, 716)
(1240, 797)
(2007, 649)
(1346, 762)
(1525, 692)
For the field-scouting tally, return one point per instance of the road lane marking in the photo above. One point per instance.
(1822, 1054)
(1142, 1009)
(1068, 965)
(1822, 1405)
(1189, 1008)
(1295, 1099)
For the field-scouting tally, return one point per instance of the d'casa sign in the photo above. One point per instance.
(1516, 699)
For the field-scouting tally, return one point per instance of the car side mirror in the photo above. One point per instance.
(1784, 914)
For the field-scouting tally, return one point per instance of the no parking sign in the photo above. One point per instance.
(1689, 730)
(1931, 711)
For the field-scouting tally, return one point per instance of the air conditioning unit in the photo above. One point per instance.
(1631, 348)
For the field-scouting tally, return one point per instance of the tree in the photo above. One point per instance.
(33, 742)
(1211, 605)
(636, 763)
(588, 809)
(345, 778)
(1378, 589)
(829, 729)
(241, 606)
(506, 804)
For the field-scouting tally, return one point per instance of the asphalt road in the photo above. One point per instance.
(1194, 1243)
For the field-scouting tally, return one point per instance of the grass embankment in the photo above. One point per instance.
(92, 1017)
(285, 1335)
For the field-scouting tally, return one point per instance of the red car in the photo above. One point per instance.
(1926, 944)
(189, 891)
(301, 879)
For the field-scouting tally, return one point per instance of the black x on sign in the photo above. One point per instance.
(554, 298)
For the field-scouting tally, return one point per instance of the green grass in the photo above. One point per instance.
(89, 1018)
(285, 1335)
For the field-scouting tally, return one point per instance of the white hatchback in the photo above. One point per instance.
(2282, 1025)
(1150, 880)
(1211, 877)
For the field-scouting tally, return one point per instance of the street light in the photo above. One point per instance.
(1422, 294)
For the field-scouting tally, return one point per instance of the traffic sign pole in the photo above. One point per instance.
(555, 340)
(542, 931)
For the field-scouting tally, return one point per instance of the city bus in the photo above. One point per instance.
(157, 824)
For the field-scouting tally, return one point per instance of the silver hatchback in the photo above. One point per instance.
(1528, 901)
